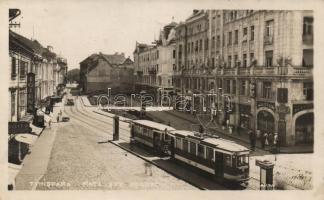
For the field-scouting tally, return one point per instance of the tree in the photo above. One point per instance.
(73, 75)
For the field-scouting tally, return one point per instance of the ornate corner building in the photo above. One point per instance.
(261, 61)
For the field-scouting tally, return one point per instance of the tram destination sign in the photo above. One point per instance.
(300, 107)
(30, 92)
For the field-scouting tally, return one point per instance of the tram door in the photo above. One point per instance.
(219, 165)
(156, 140)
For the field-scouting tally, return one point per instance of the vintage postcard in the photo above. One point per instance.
(146, 97)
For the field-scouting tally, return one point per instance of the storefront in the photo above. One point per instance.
(245, 116)
(265, 121)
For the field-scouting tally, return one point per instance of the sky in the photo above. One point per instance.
(77, 29)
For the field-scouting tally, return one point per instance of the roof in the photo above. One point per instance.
(32, 45)
(210, 141)
(154, 125)
(114, 59)
(225, 144)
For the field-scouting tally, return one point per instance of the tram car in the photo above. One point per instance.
(225, 160)
(151, 134)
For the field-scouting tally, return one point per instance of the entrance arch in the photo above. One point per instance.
(304, 128)
(265, 121)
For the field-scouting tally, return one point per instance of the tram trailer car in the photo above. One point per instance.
(151, 134)
(227, 161)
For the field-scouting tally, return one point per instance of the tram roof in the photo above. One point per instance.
(225, 144)
(220, 143)
(154, 125)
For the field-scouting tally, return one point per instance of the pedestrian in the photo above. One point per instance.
(252, 137)
(60, 113)
(276, 141)
(262, 140)
(49, 123)
(58, 118)
(266, 142)
(270, 140)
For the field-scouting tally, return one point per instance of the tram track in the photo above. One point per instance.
(105, 123)
(79, 118)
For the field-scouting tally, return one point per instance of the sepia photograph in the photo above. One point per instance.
(110, 96)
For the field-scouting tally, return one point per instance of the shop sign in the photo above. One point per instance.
(30, 92)
(269, 105)
(300, 107)
(18, 127)
(283, 109)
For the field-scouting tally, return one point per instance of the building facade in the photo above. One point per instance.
(259, 65)
(154, 63)
(29, 56)
(99, 72)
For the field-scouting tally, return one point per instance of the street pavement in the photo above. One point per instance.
(82, 158)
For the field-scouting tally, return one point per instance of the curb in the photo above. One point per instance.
(147, 160)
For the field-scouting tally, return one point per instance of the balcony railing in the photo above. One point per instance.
(268, 40)
(308, 39)
(301, 71)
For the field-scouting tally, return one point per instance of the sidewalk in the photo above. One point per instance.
(35, 163)
(241, 136)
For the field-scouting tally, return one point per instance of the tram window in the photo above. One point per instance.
(209, 153)
(144, 131)
(192, 148)
(185, 145)
(228, 161)
(178, 143)
(242, 160)
(167, 137)
(201, 151)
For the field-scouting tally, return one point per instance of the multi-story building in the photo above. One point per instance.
(154, 63)
(260, 60)
(29, 56)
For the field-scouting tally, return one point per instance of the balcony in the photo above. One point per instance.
(268, 40)
(308, 39)
(230, 71)
(300, 71)
(244, 71)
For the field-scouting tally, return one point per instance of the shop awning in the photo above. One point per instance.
(13, 170)
(26, 138)
(36, 129)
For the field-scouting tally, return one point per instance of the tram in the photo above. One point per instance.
(151, 134)
(223, 159)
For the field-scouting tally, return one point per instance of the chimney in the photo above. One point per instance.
(195, 11)
(123, 54)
